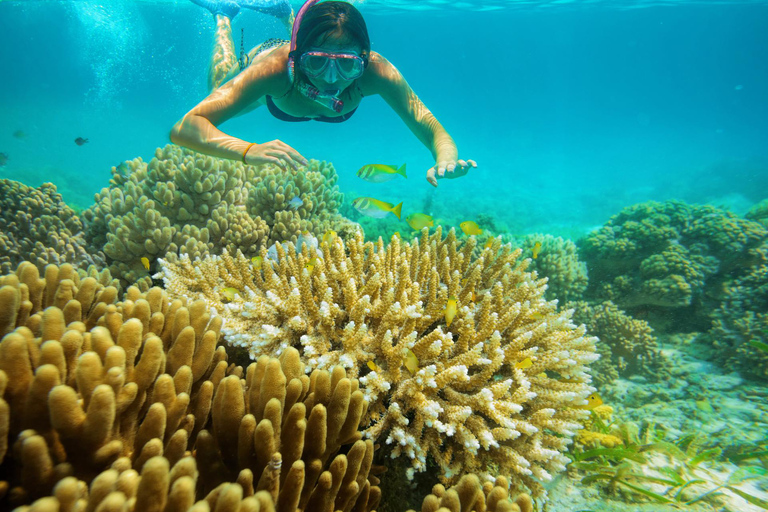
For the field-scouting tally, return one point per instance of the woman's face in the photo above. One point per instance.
(330, 81)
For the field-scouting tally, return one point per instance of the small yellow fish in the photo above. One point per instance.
(230, 293)
(593, 401)
(257, 262)
(417, 221)
(145, 262)
(489, 243)
(310, 265)
(536, 249)
(470, 228)
(329, 236)
(379, 173)
(536, 315)
(450, 310)
(542, 375)
(371, 207)
(374, 367)
(397, 234)
(524, 364)
(474, 296)
(411, 362)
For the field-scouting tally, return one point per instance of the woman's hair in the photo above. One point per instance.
(332, 19)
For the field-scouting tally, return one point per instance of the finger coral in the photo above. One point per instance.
(626, 345)
(183, 202)
(495, 387)
(469, 495)
(87, 383)
(669, 260)
(36, 225)
(557, 259)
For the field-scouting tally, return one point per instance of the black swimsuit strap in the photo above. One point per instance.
(279, 114)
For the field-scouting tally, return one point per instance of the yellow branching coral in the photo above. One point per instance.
(496, 387)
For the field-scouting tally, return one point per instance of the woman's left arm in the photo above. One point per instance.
(382, 78)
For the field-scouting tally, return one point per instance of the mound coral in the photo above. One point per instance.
(95, 393)
(557, 259)
(36, 225)
(482, 390)
(669, 261)
(739, 331)
(626, 345)
(183, 202)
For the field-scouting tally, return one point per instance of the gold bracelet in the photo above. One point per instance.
(246, 150)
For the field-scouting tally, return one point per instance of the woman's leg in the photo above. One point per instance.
(224, 57)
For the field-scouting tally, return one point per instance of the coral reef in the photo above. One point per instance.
(36, 225)
(95, 392)
(759, 213)
(557, 259)
(469, 495)
(496, 386)
(739, 333)
(183, 202)
(669, 261)
(626, 345)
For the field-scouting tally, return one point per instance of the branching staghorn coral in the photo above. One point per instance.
(183, 202)
(669, 261)
(36, 225)
(484, 389)
(626, 345)
(87, 384)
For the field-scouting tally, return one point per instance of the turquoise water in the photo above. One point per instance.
(573, 111)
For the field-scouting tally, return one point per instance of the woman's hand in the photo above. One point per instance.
(275, 152)
(449, 169)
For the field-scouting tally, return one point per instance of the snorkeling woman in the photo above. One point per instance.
(321, 74)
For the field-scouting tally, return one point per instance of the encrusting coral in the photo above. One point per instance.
(183, 202)
(36, 225)
(87, 383)
(626, 345)
(496, 386)
(669, 261)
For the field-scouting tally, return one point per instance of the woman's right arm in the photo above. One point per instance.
(198, 128)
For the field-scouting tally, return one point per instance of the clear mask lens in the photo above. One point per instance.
(348, 67)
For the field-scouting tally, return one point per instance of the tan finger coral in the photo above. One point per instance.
(469, 495)
(496, 386)
(38, 226)
(183, 202)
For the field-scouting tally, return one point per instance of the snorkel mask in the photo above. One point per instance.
(316, 64)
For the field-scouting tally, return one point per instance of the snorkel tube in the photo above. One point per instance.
(330, 101)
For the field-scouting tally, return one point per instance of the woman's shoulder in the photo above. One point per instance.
(379, 73)
(271, 67)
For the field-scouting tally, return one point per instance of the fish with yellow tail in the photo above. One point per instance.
(411, 362)
(230, 293)
(379, 173)
(470, 228)
(310, 265)
(450, 310)
(536, 249)
(257, 261)
(373, 367)
(329, 236)
(489, 243)
(593, 401)
(417, 221)
(371, 207)
(524, 364)
(145, 263)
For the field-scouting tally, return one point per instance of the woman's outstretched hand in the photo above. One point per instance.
(275, 152)
(449, 169)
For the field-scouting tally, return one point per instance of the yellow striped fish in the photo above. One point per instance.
(375, 208)
(379, 173)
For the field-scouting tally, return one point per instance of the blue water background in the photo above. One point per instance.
(572, 110)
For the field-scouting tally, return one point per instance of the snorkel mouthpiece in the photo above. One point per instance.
(328, 100)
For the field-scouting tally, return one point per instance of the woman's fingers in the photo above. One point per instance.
(431, 176)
